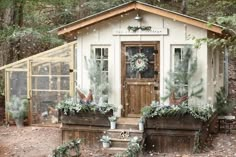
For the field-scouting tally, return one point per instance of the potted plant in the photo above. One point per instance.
(112, 120)
(141, 123)
(17, 108)
(106, 141)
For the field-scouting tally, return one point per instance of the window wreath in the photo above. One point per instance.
(138, 62)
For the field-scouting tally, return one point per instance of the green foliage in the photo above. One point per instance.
(64, 150)
(222, 105)
(17, 107)
(201, 111)
(142, 119)
(133, 148)
(105, 139)
(112, 119)
(71, 106)
(99, 80)
(179, 79)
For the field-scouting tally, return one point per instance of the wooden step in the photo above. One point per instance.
(132, 121)
(127, 123)
(124, 133)
(121, 143)
(114, 150)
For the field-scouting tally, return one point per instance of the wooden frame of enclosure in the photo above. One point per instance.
(46, 56)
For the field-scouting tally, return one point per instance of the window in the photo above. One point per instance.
(180, 66)
(100, 55)
(177, 56)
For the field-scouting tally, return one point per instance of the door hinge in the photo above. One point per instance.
(155, 51)
(156, 88)
(156, 72)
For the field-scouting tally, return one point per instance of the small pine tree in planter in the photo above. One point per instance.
(113, 120)
(222, 105)
(179, 87)
(106, 141)
(18, 110)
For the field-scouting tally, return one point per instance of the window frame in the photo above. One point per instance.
(101, 59)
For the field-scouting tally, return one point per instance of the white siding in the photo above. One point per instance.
(101, 33)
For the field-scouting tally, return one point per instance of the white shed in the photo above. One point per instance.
(118, 33)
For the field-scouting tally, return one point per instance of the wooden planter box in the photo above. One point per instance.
(171, 134)
(186, 122)
(87, 118)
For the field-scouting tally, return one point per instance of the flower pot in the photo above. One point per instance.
(113, 125)
(105, 144)
(141, 126)
(19, 123)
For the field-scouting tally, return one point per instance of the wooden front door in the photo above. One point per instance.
(139, 89)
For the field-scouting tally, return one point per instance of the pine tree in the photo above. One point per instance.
(98, 80)
(178, 84)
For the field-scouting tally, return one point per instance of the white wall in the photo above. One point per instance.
(102, 33)
(215, 72)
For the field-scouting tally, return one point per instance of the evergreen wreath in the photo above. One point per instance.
(138, 62)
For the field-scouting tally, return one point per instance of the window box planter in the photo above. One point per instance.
(186, 122)
(91, 118)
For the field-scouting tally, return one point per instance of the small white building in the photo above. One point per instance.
(115, 35)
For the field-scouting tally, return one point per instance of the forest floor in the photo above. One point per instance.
(40, 141)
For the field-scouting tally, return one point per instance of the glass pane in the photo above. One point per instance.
(130, 73)
(98, 53)
(60, 68)
(40, 69)
(105, 65)
(105, 53)
(65, 83)
(18, 84)
(43, 106)
(177, 56)
(40, 82)
(130, 51)
(149, 52)
(53, 83)
(149, 73)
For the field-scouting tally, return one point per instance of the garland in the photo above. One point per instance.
(138, 62)
(64, 150)
(70, 105)
(202, 112)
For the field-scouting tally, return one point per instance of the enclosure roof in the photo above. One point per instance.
(136, 5)
(38, 56)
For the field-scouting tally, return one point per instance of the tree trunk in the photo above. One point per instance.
(184, 7)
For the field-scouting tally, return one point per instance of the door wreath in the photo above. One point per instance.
(138, 62)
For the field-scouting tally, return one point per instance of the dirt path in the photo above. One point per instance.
(40, 141)
(28, 141)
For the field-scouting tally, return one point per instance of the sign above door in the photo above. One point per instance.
(153, 31)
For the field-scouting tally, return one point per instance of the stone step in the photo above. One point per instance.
(124, 133)
(121, 143)
(114, 150)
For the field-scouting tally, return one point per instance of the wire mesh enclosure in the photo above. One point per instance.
(44, 80)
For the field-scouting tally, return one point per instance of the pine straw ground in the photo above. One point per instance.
(40, 141)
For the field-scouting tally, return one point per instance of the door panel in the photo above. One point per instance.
(139, 89)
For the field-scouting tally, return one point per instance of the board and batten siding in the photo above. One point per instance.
(102, 34)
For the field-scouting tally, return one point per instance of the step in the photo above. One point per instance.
(121, 143)
(114, 150)
(124, 133)
(132, 121)
(127, 123)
